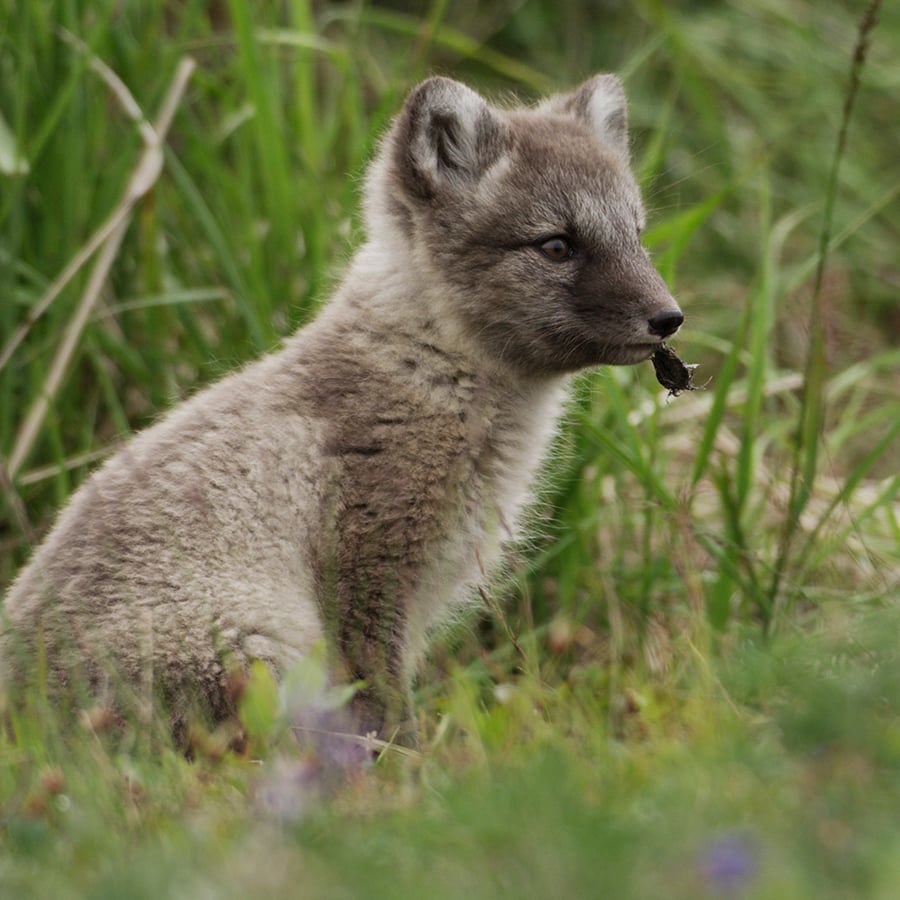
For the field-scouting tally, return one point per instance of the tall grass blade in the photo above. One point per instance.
(12, 160)
(452, 39)
(812, 407)
(143, 176)
(849, 486)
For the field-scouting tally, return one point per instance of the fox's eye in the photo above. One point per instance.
(558, 249)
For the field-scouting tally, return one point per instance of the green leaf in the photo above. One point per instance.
(258, 706)
(308, 685)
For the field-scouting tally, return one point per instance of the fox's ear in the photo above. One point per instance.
(600, 104)
(446, 135)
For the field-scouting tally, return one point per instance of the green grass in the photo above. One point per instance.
(776, 774)
(689, 685)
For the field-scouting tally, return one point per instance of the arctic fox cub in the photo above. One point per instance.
(356, 486)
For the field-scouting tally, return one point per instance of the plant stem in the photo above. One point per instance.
(812, 404)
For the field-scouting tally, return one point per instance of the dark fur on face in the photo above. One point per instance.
(481, 190)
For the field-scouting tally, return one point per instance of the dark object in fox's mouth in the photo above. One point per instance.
(671, 372)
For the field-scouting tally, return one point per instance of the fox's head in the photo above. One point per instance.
(531, 221)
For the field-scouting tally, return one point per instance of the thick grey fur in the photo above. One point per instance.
(358, 485)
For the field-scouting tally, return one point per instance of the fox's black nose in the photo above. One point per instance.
(665, 323)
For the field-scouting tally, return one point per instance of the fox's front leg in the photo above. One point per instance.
(387, 711)
(372, 643)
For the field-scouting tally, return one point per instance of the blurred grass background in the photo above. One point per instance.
(689, 683)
